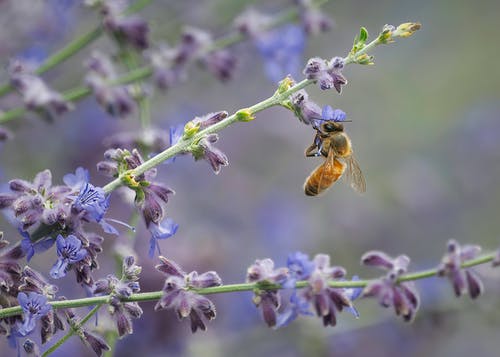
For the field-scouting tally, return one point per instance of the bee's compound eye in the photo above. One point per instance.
(328, 126)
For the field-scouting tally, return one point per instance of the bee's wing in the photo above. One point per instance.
(354, 176)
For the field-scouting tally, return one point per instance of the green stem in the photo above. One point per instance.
(73, 47)
(72, 331)
(184, 145)
(155, 295)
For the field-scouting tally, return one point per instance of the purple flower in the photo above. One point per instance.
(69, 251)
(210, 153)
(451, 267)
(29, 248)
(269, 300)
(210, 119)
(186, 303)
(327, 73)
(194, 42)
(163, 230)
(116, 100)
(122, 312)
(34, 307)
(36, 94)
(305, 109)
(37, 202)
(325, 299)
(313, 19)
(93, 201)
(220, 63)
(166, 72)
(33, 281)
(131, 29)
(329, 113)
(78, 179)
(252, 23)
(389, 290)
(496, 260)
(300, 268)
(282, 51)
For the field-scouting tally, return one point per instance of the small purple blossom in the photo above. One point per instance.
(34, 307)
(186, 303)
(325, 299)
(307, 111)
(36, 94)
(327, 73)
(496, 260)
(451, 267)
(69, 251)
(335, 115)
(30, 248)
(403, 296)
(116, 100)
(122, 312)
(166, 72)
(313, 19)
(130, 29)
(163, 230)
(93, 201)
(268, 300)
(210, 153)
(33, 281)
(221, 63)
(78, 179)
(210, 119)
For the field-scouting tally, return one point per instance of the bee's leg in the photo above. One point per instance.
(313, 151)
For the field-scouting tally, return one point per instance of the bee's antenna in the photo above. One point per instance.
(335, 121)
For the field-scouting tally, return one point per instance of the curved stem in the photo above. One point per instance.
(155, 295)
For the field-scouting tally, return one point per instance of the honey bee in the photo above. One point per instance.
(333, 143)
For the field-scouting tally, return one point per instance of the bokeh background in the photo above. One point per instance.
(425, 129)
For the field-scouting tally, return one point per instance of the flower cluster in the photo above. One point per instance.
(317, 273)
(151, 197)
(451, 267)
(130, 29)
(170, 63)
(178, 293)
(46, 214)
(389, 290)
(122, 312)
(328, 74)
(115, 100)
(35, 92)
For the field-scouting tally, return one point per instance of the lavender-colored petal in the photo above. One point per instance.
(377, 259)
(59, 269)
(327, 113)
(474, 283)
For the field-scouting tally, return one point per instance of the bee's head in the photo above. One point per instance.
(331, 126)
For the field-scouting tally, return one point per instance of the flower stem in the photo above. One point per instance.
(72, 331)
(155, 295)
(73, 47)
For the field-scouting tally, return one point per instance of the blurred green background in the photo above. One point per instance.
(426, 132)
